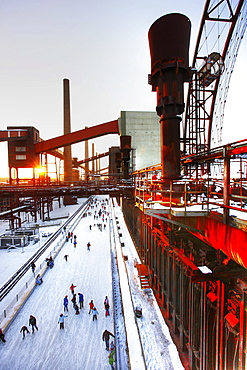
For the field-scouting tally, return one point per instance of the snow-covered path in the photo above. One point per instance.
(80, 345)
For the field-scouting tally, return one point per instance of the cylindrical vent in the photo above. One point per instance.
(169, 38)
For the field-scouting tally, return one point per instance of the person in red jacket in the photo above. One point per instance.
(72, 288)
(91, 306)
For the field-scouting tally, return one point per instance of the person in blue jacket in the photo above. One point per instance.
(95, 313)
(39, 280)
(81, 299)
(65, 303)
(51, 263)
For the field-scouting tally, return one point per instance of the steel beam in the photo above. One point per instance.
(77, 136)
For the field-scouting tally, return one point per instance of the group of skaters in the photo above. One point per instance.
(109, 347)
(92, 310)
(50, 262)
(38, 278)
(24, 329)
(33, 323)
(73, 238)
(98, 225)
(78, 305)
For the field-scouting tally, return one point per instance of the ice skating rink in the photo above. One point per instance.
(79, 345)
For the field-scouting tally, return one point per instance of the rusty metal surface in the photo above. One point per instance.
(169, 41)
(13, 134)
(78, 136)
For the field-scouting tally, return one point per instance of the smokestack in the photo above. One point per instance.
(86, 156)
(67, 130)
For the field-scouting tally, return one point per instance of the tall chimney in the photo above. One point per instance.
(67, 130)
(86, 156)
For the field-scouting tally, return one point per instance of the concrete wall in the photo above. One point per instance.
(144, 128)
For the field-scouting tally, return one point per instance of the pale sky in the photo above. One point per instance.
(102, 48)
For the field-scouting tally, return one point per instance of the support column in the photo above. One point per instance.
(93, 161)
(226, 190)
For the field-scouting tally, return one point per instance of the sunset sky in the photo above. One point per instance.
(102, 48)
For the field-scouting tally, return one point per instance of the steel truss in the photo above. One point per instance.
(222, 28)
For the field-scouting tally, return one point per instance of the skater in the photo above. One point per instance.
(106, 338)
(95, 313)
(33, 266)
(107, 309)
(106, 301)
(91, 306)
(90, 227)
(112, 346)
(32, 322)
(65, 303)
(73, 300)
(61, 320)
(111, 359)
(77, 312)
(72, 288)
(39, 280)
(75, 242)
(66, 257)
(51, 263)
(107, 306)
(2, 336)
(24, 329)
(81, 300)
(88, 246)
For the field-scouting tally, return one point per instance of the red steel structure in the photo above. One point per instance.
(190, 230)
(25, 145)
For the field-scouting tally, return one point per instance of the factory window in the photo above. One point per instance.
(20, 149)
(20, 157)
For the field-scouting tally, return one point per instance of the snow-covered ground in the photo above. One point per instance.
(80, 344)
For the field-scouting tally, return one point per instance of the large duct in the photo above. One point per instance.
(169, 49)
(67, 130)
(125, 148)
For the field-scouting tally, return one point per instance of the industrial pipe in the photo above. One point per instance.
(169, 49)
